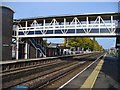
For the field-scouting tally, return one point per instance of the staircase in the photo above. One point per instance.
(38, 47)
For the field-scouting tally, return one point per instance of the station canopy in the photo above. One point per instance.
(69, 18)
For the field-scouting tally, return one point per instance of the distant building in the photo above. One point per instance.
(112, 51)
(54, 49)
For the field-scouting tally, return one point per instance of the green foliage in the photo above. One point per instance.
(85, 43)
(75, 42)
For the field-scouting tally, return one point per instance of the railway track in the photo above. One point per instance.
(46, 78)
(11, 66)
(20, 76)
(39, 76)
(61, 79)
(25, 64)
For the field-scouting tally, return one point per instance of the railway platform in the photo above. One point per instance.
(103, 74)
(109, 76)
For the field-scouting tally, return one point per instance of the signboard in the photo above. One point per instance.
(118, 45)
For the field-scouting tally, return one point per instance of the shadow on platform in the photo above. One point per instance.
(111, 69)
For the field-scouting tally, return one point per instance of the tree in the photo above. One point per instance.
(75, 42)
(85, 43)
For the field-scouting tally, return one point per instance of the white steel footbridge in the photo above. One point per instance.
(81, 25)
(102, 24)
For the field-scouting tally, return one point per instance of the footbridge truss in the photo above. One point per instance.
(83, 25)
(103, 24)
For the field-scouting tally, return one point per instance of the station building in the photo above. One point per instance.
(6, 26)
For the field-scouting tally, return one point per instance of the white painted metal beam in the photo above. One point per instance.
(26, 50)
(85, 29)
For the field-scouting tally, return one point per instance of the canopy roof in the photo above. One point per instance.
(81, 17)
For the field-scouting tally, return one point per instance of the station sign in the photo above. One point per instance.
(118, 45)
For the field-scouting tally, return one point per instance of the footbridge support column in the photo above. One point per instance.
(118, 51)
(118, 31)
(118, 42)
(26, 50)
(118, 47)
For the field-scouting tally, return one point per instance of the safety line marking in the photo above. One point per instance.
(90, 81)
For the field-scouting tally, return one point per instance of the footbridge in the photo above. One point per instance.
(101, 24)
(81, 25)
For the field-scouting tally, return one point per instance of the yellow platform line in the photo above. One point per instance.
(90, 81)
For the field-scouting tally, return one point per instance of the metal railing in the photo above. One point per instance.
(37, 47)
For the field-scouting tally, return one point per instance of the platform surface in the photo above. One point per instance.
(108, 76)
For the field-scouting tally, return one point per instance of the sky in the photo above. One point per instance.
(36, 9)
